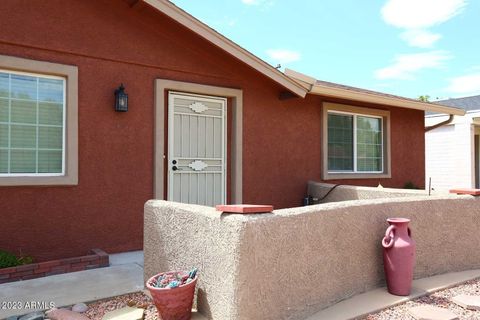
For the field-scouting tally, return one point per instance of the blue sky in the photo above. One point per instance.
(404, 47)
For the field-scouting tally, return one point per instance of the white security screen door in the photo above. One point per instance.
(196, 149)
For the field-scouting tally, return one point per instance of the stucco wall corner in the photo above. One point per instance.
(179, 237)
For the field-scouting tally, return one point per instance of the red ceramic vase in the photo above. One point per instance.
(398, 256)
(173, 303)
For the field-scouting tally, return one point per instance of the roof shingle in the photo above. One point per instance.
(465, 103)
(361, 90)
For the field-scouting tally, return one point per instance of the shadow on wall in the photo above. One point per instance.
(334, 193)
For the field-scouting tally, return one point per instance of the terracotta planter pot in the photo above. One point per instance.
(173, 303)
(398, 256)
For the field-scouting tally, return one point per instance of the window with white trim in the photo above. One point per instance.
(38, 122)
(32, 124)
(355, 143)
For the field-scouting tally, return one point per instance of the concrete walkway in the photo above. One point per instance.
(118, 259)
(379, 299)
(125, 275)
(70, 288)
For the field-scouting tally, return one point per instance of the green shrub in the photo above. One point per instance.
(8, 259)
(25, 260)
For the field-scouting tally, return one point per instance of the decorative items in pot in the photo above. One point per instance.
(172, 293)
(398, 256)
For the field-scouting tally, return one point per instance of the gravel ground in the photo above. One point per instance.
(98, 308)
(439, 299)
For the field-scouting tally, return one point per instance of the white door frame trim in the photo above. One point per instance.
(161, 107)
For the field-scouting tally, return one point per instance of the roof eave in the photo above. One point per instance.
(378, 99)
(302, 79)
(319, 89)
(227, 45)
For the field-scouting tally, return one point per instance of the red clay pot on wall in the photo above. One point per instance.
(398, 256)
(173, 303)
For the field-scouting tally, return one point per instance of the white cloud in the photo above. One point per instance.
(232, 22)
(283, 55)
(418, 14)
(405, 66)
(415, 16)
(474, 68)
(258, 2)
(420, 38)
(465, 85)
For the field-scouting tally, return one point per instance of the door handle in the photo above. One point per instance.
(174, 168)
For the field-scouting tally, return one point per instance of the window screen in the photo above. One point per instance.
(355, 143)
(340, 142)
(32, 111)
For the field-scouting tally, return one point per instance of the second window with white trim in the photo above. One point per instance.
(355, 142)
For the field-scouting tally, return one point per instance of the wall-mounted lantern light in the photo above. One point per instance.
(121, 99)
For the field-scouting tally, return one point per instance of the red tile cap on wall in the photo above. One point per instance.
(245, 208)
(473, 192)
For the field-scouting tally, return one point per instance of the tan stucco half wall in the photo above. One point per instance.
(346, 192)
(294, 262)
(180, 237)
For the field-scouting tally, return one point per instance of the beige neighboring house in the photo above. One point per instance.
(452, 150)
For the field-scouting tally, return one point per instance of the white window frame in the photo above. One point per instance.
(64, 124)
(69, 174)
(335, 108)
(355, 159)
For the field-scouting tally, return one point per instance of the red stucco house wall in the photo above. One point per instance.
(111, 43)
